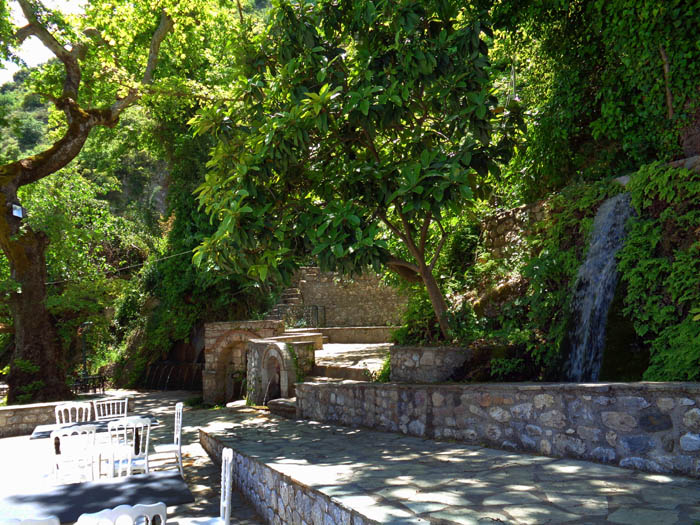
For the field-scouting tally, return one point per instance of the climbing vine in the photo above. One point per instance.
(660, 263)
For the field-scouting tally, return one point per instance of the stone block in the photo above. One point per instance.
(620, 421)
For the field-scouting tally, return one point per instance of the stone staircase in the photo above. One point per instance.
(336, 363)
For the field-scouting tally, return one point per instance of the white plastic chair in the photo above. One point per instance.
(48, 520)
(110, 408)
(73, 412)
(74, 452)
(176, 446)
(134, 432)
(224, 517)
(153, 514)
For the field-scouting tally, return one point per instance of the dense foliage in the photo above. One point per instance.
(369, 133)
(608, 85)
(353, 123)
(660, 264)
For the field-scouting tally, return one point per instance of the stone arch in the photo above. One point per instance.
(225, 359)
(277, 362)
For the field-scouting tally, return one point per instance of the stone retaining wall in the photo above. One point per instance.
(278, 498)
(359, 334)
(505, 230)
(363, 300)
(416, 364)
(646, 426)
(20, 420)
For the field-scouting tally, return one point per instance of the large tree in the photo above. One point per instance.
(352, 122)
(103, 60)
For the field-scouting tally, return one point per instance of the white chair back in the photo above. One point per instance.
(226, 485)
(72, 412)
(110, 408)
(178, 426)
(49, 520)
(133, 431)
(153, 514)
(74, 449)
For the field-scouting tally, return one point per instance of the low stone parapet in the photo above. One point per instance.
(416, 364)
(277, 497)
(20, 420)
(645, 426)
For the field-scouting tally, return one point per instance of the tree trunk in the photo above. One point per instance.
(436, 297)
(37, 371)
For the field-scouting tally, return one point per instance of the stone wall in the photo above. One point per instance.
(20, 420)
(417, 364)
(278, 498)
(646, 426)
(225, 355)
(505, 230)
(275, 367)
(360, 301)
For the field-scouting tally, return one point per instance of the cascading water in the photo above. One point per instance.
(594, 289)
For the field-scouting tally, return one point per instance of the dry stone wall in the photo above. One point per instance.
(653, 427)
(359, 301)
(505, 230)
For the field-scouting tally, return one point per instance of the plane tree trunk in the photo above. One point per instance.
(37, 367)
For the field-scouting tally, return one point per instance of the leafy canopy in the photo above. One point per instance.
(352, 121)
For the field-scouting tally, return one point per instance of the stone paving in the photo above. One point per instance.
(390, 478)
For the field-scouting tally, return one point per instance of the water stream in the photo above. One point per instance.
(594, 289)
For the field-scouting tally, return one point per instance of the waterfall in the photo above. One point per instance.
(594, 289)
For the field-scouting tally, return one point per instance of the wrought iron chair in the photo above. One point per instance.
(176, 446)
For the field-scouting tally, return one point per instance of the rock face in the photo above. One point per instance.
(652, 427)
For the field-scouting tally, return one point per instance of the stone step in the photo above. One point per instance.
(285, 407)
(341, 372)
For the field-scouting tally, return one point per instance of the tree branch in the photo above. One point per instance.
(164, 27)
(424, 231)
(439, 247)
(70, 62)
(382, 215)
(409, 234)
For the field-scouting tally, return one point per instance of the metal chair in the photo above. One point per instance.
(133, 432)
(176, 446)
(74, 449)
(48, 520)
(72, 412)
(110, 408)
(153, 514)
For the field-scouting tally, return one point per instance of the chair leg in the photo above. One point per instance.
(179, 464)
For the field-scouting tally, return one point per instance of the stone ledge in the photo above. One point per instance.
(644, 426)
